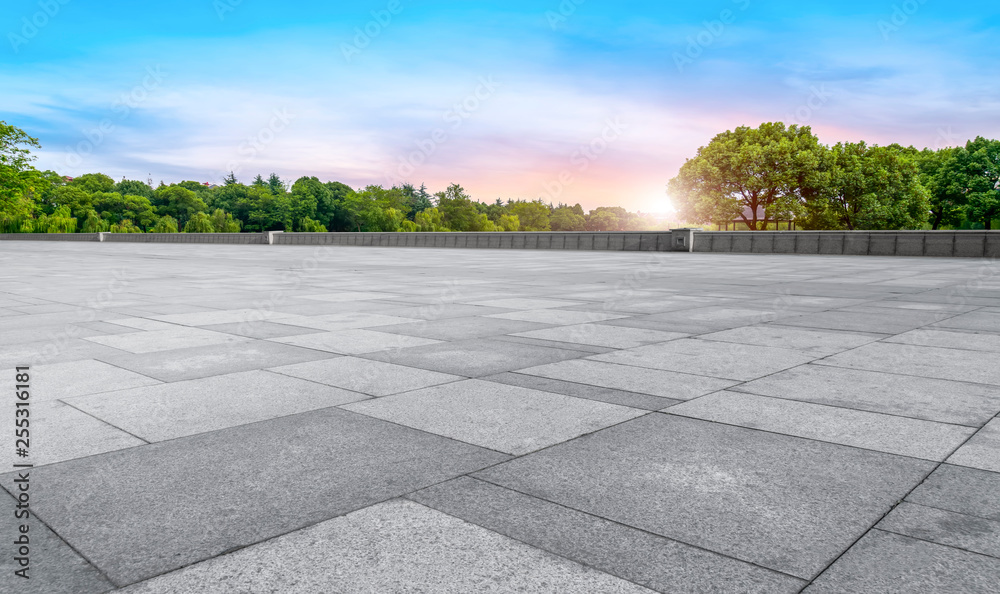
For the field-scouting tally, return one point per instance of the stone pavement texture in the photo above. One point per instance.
(342, 419)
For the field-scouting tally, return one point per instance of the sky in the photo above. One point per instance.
(593, 102)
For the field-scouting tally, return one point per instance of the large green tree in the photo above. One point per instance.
(947, 202)
(533, 216)
(19, 181)
(974, 173)
(749, 172)
(177, 202)
(870, 187)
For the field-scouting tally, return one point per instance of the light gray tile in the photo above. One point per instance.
(714, 359)
(666, 384)
(915, 397)
(526, 303)
(982, 451)
(872, 431)
(76, 378)
(824, 342)
(231, 316)
(606, 336)
(355, 342)
(960, 489)
(177, 409)
(153, 341)
(369, 377)
(950, 364)
(987, 343)
(561, 317)
(474, 358)
(609, 395)
(505, 418)
(977, 321)
(397, 546)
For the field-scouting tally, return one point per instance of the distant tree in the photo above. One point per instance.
(230, 179)
(566, 219)
(93, 223)
(114, 208)
(258, 182)
(456, 207)
(178, 202)
(533, 216)
(508, 223)
(19, 181)
(602, 220)
(223, 222)
(277, 186)
(166, 224)
(199, 223)
(311, 200)
(94, 182)
(947, 204)
(749, 171)
(974, 173)
(418, 200)
(872, 187)
(131, 187)
(430, 220)
(125, 226)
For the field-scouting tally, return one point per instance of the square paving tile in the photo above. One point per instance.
(140, 512)
(885, 562)
(501, 417)
(982, 451)
(607, 336)
(655, 562)
(396, 546)
(872, 431)
(713, 359)
(168, 411)
(368, 377)
(951, 364)
(475, 358)
(355, 342)
(906, 396)
(666, 384)
(782, 502)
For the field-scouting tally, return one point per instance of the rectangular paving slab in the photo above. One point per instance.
(354, 341)
(713, 359)
(581, 390)
(824, 342)
(982, 451)
(962, 531)
(786, 503)
(960, 489)
(653, 561)
(599, 335)
(501, 417)
(153, 341)
(140, 512)
(952, 364)
(76, 378)
(872, 431)
(168, 411)
(475, 358)
(368, 377)
(902, 395)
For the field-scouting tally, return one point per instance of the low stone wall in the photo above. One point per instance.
(958, 244)
(948, 244)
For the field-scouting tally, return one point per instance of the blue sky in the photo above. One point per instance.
(590, 101)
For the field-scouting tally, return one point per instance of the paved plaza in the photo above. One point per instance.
(345, 419)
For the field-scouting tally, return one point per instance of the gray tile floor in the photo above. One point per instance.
(299, 419)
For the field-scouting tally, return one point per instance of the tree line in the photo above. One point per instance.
(33, 201)
(761, 176)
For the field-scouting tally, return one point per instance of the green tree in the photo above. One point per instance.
(94, 182)
(276, 185)
(947, 205)
(602, 219)
(125, 226)
(534, 216)
(974, 173)
(199, 223)
(114, 208)
(230, 179)
(131, 187)
(19, 181)
(223, 222)
(746, 171)
(508, 223)
(166, 224)
(565, 219)
(311, 200)
(430, 220)
(180, 203)
(93, 223)
(871, 187)
(418, 200)
(459, 213)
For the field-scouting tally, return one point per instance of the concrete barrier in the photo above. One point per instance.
(958, 244)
